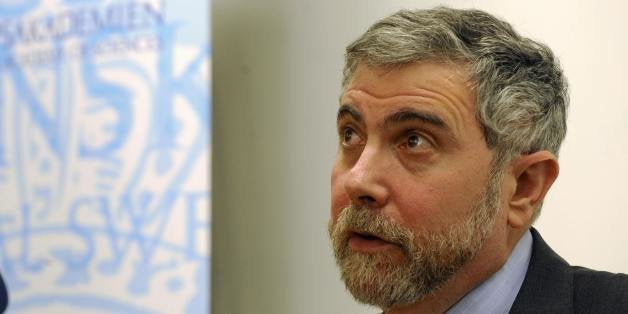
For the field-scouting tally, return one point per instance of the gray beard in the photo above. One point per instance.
(430, 259)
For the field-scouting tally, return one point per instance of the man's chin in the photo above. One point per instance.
(381, 279)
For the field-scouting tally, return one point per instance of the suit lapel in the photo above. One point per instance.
(548, 285)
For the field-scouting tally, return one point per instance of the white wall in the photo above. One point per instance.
(276, 81)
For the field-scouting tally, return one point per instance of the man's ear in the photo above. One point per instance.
(534, 174)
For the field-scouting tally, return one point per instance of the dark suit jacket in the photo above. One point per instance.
(3, 296)
(552, 286)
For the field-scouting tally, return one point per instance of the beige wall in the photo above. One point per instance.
(276, 68)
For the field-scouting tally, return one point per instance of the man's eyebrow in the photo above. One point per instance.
(409, 114)
(349, 110)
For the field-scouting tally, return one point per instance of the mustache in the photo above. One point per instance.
(365, 220)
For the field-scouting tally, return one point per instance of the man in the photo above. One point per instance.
(449, 128)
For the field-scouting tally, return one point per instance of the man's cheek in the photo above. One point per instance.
(420, 209)
(339, 200)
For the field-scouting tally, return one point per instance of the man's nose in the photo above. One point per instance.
(366, 182)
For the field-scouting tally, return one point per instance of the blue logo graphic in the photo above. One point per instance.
(104, 157)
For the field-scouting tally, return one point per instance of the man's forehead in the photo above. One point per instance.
(447, 74)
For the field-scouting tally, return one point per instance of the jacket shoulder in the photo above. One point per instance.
(599, 291)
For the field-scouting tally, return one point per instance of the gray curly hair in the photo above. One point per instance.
(521, 92)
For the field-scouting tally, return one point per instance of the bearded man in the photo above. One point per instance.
(449, 128)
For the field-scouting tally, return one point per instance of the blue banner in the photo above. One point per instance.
(105, 155)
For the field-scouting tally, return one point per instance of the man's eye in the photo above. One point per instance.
(350, 137)
(414, 141)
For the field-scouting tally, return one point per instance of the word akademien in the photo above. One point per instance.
(80, 22)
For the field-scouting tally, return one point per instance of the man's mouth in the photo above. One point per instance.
(367, 242)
